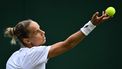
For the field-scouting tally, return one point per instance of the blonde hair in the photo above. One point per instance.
(19, 32)
(9, 32)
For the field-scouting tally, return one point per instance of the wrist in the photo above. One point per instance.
(87, 28)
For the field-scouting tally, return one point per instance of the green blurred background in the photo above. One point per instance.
(59, 19)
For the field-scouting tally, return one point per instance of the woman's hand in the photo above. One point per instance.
(96, 19)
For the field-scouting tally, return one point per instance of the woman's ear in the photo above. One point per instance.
(26, 41)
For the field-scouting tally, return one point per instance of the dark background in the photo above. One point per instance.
(102, 49)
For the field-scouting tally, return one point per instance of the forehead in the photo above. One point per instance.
(33, 26)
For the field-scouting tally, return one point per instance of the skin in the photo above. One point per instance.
(37, 37)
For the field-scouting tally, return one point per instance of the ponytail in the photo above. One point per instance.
(9, 32)
(18, 32)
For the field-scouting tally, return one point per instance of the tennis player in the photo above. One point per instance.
(32, 53)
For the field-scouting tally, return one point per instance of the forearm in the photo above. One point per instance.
(74, 39)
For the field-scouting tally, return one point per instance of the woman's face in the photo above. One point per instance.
(36, 36)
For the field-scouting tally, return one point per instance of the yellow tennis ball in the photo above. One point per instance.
(110, 11)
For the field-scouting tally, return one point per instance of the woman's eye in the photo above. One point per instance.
(35, 32)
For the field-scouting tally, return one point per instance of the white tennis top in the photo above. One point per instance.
(29, 58)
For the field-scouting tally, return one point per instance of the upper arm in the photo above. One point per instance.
(63, 46)
(58, 48)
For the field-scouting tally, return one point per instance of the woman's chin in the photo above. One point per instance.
(44, 41)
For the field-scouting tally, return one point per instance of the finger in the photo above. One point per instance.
(95, 15)
(105, 18)
(101, 17)
(103, 12)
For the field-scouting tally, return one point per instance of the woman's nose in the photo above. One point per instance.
(43, 32)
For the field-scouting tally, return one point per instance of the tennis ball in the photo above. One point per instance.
(110, 11)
